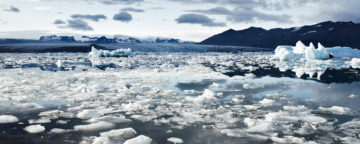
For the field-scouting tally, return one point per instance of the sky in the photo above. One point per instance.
(190, 20)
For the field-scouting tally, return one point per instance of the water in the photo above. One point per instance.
(248, 98)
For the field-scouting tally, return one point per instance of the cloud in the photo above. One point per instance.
(59, 22)
(216, 11)
(335, 11)
(123, 17)
(77, 24)
(13, 9)
(198, 19)
(95, 18)
(246, 15)
(120, 1)
(130, 9)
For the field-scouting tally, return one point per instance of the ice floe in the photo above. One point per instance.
(141, 139)
(95, 126)
(175, 140)
(8, 119)
(34, 128)
(119, 133)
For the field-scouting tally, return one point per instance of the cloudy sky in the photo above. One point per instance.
(192, 20)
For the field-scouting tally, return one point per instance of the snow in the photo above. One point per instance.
(141, 139)
(34, 128)
(106, 53)
(94, 126)
(119, 133)
(175, 140)
(8, 119)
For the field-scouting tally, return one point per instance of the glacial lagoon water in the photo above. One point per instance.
(225, 98)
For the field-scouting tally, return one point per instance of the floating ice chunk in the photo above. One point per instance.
(59, 63)
(141, 139)
(285, 53)
(259, 125)
(267, 102)
(350, 140)
(352, 96)
(276, 95)
(141, 118)
(175, 140)
(94, 126)
(34, 128)
(283, 116)
(336, 110)
(39, 121)
(111, 119)
(207, 96)
(319, 54)
(355, 63)
(106, 53)
(8, 119)
(294, 108)
(299, 48)
(104, 140)
(119, 133)
(251, 107)
(288, 139)
(50, 113)
(58, 130)
(248, 86)
(250, 75)
(215, 85)
(88, 113)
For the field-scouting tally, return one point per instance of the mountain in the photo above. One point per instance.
(328, 33)
(58, 38)
(104, 39)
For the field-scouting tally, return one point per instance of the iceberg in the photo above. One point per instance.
(106, 53)
(34, 128)
(287, 53)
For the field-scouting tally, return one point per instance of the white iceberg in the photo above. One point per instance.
(8, 119)
(106, 53)
(355, 63)
(34, 128)
(141, 139)
(94, 126)
(286, 53)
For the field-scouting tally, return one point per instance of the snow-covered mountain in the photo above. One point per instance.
(114, 39)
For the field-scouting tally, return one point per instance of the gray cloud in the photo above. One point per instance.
(130, 9)
(246, 15)
(12, 9)
(95, 18)
(335, 11)
(123, 17)
(198, 19)
(77, 24)
(59, 22)
(216, 11)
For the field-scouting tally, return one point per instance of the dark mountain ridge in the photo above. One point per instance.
(328, 33)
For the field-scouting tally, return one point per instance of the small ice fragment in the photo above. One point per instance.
(39, 121)
(267, 102)
(8, 119)
(207, 96)
(248, 86)
(355, 63)
(34, 128)
(94, 126)
(175, 140)
(119, 133)
(59, 63)
(215, 85)
(102, 140)
(88, 113)
(141, 139)
(287, 139)
(58, 130)
(352, 96)
(50, 113)
(111, 119)
(336, 110)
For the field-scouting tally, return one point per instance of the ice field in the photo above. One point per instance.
(197, 98)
